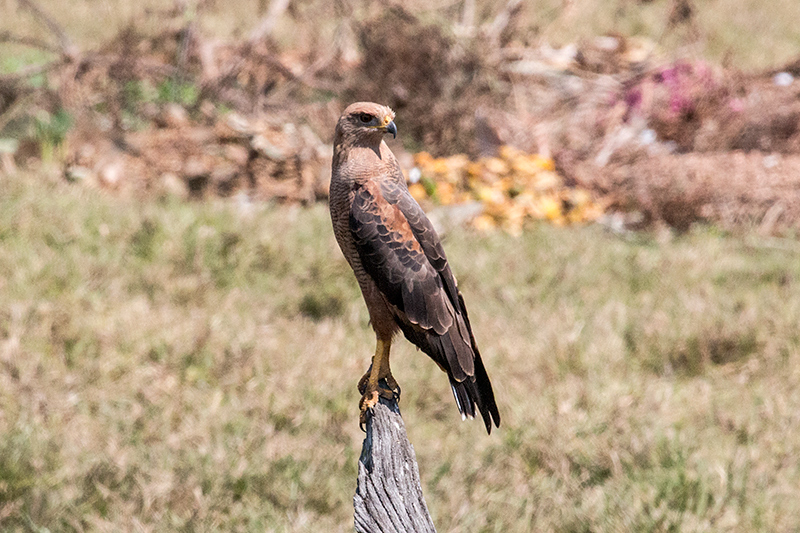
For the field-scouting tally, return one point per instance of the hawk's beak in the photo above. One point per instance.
(391, 128)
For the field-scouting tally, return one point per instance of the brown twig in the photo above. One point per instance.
(8, 37)
(306, 78)
(69, 52)
(26, 72)
(15, 109)
(267, 24)
(495, 28)
(67, 47)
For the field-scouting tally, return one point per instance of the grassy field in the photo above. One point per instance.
(192, 366)
(171, 366)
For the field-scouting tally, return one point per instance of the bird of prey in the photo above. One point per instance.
(400, 265)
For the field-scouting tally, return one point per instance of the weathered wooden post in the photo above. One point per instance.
(389, 497)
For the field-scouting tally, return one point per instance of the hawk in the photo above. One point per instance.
(400, 265)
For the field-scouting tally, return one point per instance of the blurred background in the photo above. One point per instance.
(618, 189)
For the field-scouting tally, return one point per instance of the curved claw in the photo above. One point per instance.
(378, 381)
(393, 386)
(370, 399)
(368, 402)
(362, 383)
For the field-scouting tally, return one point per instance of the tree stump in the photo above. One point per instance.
(389, 497)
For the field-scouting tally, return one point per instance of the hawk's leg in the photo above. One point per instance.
(368, 385)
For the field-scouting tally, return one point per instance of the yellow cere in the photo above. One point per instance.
(513, 187)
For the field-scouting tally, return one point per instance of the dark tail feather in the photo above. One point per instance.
(464, 402)
(479, 387)
(485, 395)
(472, 393)
(475, 391)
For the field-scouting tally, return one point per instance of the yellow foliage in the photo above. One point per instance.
(495, 165)
(550, 207)
(423, 159)
(547, 180)
(455, 168)
(417, 191)
(513, 187)
(489, 195)
(445, 193)
(474, 170)
(545, 163)
(484, 223)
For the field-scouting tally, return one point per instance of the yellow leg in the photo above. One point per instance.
(368, 384)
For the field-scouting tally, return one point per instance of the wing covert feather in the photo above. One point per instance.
(397, 262)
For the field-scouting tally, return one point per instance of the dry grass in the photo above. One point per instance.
(171, 366)
(191, 366)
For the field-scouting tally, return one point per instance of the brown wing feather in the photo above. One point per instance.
(401, 251)
(396, 261)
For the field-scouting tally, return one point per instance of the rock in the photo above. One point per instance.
(194, 166)
(264, 147)
(77, 173)
(111, 173)
(172, 185)
(173, 116)
(237, 154)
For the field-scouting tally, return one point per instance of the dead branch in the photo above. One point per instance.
(494, 29)
(68, 50)
(389, 496)
(267, 24)
(14, 78)
(215, 86)
(15, 109)
(8, 37)
(67, 47)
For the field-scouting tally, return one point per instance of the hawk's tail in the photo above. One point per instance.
(475, 390)
(471, 388)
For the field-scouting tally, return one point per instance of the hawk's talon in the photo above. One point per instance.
(371, 396)
(388, 394)
(362, 383)
(393, 385)
(367, 404)
(377, 382)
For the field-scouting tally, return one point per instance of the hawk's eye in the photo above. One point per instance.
(365, 117)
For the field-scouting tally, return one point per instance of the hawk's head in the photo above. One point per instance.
(365, 123)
